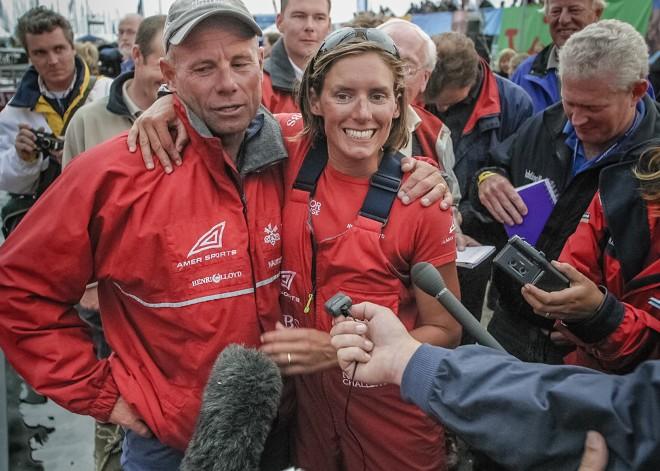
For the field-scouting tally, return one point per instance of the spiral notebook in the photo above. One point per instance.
(540, 198)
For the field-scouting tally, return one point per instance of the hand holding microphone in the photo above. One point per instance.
(382, 345)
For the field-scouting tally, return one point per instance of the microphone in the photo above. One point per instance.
(427, 278)
(240, 402)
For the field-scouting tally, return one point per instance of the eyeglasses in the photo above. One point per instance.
(410, 69)
(346, 34)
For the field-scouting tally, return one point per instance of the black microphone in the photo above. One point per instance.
(240, 402)
(427, 278)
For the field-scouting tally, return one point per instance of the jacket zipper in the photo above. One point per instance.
(238, 181)
(312, 294)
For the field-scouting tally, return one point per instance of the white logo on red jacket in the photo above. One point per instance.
(210, 240)
(286, 278)
(272, 234)
(293, 119)
(315, 207)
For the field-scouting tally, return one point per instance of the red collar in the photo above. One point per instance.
(488, 103)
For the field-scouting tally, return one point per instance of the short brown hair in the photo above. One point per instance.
(41, 20)
(319, 67)
(149, 28)
(457, 65)
(285, 3)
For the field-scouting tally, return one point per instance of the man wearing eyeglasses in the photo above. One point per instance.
(430, 137)
(303, 24)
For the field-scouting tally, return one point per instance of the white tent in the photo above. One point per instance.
(4, 34)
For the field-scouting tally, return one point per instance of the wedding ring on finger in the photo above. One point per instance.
(288, 357)
(547, 316)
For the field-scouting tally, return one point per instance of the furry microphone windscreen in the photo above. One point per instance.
(240, 402)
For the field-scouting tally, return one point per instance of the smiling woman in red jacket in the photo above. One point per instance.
(616, 245)
(345, 230)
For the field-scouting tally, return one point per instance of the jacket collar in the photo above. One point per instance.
(626, 213)
(279, 68)
(488, 102)
(263, 145)
(116, 103)
(540, 64)
(28, 91)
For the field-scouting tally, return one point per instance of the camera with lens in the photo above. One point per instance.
(47, 142)
(525, 264)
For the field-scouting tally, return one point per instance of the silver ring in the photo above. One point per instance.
(288, 357)
(547, 315)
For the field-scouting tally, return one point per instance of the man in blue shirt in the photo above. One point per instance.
(605, 117)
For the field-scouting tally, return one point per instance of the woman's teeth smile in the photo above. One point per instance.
(358, 134)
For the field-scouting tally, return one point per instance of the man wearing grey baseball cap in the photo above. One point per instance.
(182, 264)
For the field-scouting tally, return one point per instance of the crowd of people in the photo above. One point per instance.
(211, 195)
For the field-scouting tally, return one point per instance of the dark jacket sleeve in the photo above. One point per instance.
(533, 416)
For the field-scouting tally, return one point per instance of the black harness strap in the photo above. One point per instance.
(312, 167)
(383, 187)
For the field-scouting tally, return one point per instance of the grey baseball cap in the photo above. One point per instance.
(184, 15)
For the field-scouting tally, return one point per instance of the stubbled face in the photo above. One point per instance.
(599, 113)
(53, 57)
(147, 69)
(412, 51)
(304, 24)
(566, 17)
(217, 72)
(357, 104)
(126, 32)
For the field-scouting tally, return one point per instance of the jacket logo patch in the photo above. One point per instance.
(585, 217)
(272, 234)
(293, 119)
(286, 278)
(531, 176)
(314, 208)
(211, 240)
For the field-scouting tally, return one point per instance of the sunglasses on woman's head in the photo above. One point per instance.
(344, 35)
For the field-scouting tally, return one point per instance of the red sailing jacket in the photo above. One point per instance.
(186, 263)
(428, 133)
(617, 244)
(277, 101)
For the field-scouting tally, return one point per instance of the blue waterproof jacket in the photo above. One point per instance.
(541, 84)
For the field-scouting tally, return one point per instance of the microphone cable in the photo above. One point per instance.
(340, 305)
(348, 426)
